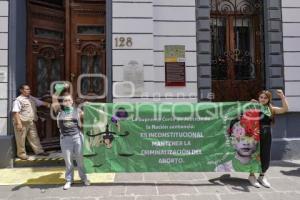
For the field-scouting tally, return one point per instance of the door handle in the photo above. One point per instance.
(72, 77)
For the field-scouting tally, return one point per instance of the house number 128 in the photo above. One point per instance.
(123, 42)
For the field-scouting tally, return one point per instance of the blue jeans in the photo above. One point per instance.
(72, 147)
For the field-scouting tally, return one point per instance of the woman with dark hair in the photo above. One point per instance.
(266, 119)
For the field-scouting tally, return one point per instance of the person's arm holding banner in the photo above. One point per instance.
(81, 114)
(39, 103)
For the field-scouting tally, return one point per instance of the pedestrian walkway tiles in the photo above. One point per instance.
(45, 175)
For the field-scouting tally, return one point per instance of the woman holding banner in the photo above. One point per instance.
(266, 119)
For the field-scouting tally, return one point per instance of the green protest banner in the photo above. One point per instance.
(171, 137)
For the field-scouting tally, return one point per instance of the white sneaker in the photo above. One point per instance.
(253, 181)
(86, 182)
(67, 185)
(263, 180)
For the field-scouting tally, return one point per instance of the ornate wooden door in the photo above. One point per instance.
(236, 32)
(87, 49)
(45, 59)
(66, 41)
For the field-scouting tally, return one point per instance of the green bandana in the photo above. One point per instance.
(266, 111)
(68, 110)
(59, 88)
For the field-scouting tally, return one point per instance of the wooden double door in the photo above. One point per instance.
(65, 42)
(237, 49)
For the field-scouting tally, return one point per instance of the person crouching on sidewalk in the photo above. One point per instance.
(24, 119)
(71, 139)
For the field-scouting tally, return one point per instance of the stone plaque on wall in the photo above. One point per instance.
(175, 65)
(133, 77)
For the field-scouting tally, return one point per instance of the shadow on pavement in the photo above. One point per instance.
(32, 183)
(292, 172)
(295, 172)
(151, 184)
(53, 180)
(284, 163)
(238, 184)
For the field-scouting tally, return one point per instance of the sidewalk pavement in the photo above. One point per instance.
(283, 175)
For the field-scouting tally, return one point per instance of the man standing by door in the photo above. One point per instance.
(24, 119)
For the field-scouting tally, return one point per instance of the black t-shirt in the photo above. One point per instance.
(68, 122)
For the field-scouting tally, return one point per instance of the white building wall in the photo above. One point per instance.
(3, 66)
(291, 48)
(152, 24)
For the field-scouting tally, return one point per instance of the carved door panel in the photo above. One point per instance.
(45, 60)
(236, 32)
(87, 49)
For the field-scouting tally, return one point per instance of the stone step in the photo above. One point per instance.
(54, 159)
